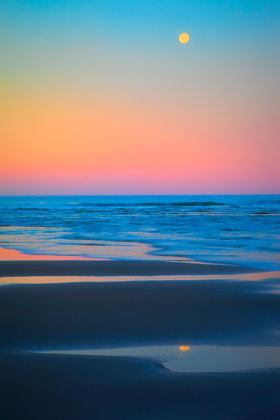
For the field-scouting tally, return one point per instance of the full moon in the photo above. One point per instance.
(184, 38)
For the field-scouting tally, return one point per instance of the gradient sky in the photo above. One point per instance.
(99, 97)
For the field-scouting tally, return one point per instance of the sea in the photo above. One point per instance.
(228, 229)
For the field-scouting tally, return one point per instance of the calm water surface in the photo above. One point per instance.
(196, 359)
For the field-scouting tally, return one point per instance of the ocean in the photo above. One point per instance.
(230, 229)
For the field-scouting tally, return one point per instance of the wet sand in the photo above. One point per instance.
(85, 315)
(40, 317)
(116, 268)
(72, 387)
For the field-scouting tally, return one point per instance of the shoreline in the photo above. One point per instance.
(84, 315)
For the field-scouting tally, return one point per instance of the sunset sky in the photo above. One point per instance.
(99, 97)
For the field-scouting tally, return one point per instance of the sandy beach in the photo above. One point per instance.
(98, 324)
(72, 387)
(44, 317)
(116, 268)
(84, 315)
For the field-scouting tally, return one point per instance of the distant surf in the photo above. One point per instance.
(226, 229)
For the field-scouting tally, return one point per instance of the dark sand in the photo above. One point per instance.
(82, 388)
(92, 315)
(115, 268)
(85, 315)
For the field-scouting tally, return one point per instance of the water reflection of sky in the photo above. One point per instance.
(47, 246)
(271, 275)
(196, 359)
(7, 254)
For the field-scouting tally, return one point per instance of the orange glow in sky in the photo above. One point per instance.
(84, 110)
(55, 144)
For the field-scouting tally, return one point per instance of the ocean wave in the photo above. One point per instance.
(269, 249)
(268, 201)
(264, 213)
(199, 227)
(155, 203)
(199, 203)
(31, 209)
